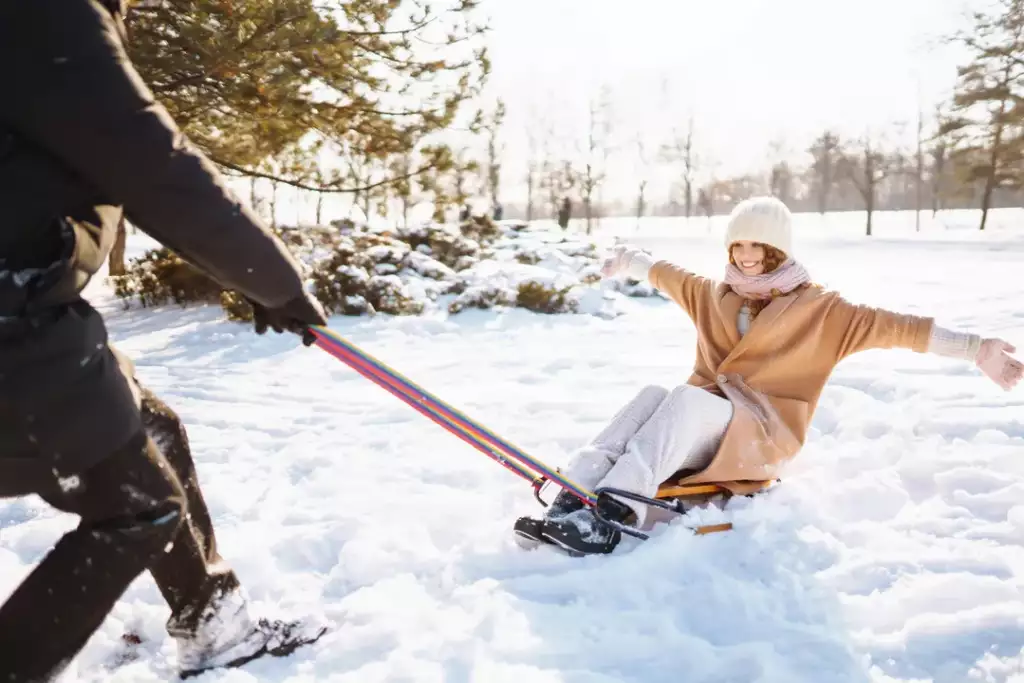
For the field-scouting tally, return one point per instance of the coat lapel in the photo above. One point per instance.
(729, 304)
(762, 326)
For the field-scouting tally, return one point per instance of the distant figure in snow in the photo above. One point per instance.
(499, 211)
(564, 213)
(767, 341)
(704, 203)
(81, 141)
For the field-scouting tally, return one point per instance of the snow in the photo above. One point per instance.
(430, 267)
(893, 551)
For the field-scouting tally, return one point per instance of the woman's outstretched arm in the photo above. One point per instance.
(862, 328)
(679, 284)
(990, 355)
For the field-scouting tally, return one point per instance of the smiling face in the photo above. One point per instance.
(748, 256)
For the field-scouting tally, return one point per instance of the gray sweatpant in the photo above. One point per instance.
(652, 437)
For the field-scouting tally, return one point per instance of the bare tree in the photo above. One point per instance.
(919, 167)
(938, 153)
(826, 154)
(643, 176)
(544, 160)
(555, 175)
(866, 165)
(492, 127)
(780, 178)
(596, 152)
(678, 153)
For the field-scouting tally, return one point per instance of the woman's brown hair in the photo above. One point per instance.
(773, 258)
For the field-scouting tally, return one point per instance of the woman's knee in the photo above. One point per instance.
(694, 402)
(653, 391)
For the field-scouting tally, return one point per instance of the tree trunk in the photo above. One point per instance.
(990, 180)
(115, 262)
(252, 195)
(587, 211)
(529, 196)
(938, 187)
(273, 206)
(640, 205)
(869, 196)
(319, 207)
(997, 142)
(919, 177)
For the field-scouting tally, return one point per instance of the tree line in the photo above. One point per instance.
(965, 153)
(384, 101)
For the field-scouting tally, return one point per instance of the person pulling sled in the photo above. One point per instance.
(82, 140)
(767, 342)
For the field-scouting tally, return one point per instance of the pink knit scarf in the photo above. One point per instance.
(783, 280)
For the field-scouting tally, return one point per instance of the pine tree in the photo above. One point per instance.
(987, 116)
(251, 81)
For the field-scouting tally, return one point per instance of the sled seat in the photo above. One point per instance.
(674, 491)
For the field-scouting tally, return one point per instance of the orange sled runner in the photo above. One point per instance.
(671, 496)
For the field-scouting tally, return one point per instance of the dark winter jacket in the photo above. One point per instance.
(81, 140)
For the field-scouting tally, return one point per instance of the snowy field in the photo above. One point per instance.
(894, 551)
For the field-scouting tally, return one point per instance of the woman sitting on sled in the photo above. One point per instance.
(767, 341)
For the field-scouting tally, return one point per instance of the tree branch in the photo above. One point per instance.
(330, 189)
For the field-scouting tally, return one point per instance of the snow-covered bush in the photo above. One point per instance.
(353, 270)
(161, 277)
(540, 298)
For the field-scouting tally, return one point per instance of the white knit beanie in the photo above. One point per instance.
(761, 219)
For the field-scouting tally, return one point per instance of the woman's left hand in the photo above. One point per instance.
(994, 360)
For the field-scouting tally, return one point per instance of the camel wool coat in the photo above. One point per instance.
(775, 373)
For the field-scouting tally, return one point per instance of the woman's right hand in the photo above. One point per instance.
(630, 260)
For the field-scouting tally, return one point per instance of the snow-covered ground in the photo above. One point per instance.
(894, 551)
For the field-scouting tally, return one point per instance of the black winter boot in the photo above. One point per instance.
(529, 530)
(582, 533)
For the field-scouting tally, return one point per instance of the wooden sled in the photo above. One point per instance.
(673, 495)
(695, 493)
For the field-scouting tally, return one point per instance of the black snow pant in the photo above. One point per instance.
(140, 507)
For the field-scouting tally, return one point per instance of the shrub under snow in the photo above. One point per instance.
(355, 271)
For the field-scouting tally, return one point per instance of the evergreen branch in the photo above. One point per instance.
(331, 188)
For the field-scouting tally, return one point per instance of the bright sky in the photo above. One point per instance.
(750, 70)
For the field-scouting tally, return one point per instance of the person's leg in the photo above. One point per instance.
(210, 619)
(591, 463)
(192, 574)
(130, 507)
(683, 433)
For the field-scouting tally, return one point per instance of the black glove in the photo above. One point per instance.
(295, 316)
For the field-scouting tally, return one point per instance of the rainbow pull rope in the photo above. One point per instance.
(430, 406)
